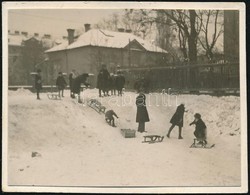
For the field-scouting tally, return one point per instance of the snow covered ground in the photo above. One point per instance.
(76, 147)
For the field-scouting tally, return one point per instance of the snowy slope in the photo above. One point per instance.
(78, 148)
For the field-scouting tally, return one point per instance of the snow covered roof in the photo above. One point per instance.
(104, 38)
(16, 40)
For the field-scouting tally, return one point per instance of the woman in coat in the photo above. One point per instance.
(177, 120)
(200, 128)
(142, 113)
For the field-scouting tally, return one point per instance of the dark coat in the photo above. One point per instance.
(38, 82)
(100, 81)
(177, 118)
(78, 81)
(61, 83)
(120, 81)
(106, 76)
(200, 129)
(142, 113)
(112, 82)
(109, 114)
(71, 78)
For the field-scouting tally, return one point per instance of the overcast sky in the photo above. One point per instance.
(54, 21)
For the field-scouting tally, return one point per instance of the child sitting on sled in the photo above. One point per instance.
(200, 129)
(109, 117)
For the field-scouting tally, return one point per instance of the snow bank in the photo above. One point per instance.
(77, 146)
(19, 91)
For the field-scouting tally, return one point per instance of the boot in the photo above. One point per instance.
(180, 137)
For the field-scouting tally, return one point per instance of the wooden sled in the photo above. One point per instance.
(153, 139)
(97, 106)
(54, 96)
(198, 143)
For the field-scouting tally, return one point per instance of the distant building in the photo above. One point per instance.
(25, 51)
(231, 35)
(87, 52)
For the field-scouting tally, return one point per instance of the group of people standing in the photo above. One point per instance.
(177, 119)
(110, 82)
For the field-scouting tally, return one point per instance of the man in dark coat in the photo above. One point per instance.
(72, 76)
(177, 120)
(60, 83)
(142, 113)
(100, 83)
(200, 128)
(120, 81)
(77, 84)
(106, 76)
(38, 83)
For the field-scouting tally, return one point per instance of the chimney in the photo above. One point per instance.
(121, 29)
(71, 35)
(128, 31)
(24, 33)
(47, 36)
(16, 32)
(87, 27)
(36, 34)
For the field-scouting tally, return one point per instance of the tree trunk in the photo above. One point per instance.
(192, 39)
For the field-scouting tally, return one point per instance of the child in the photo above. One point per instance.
(60, 83)
(200, 128)
(177, 120)
(109, 117)
(38, 83)
(77, 85)
(142, 113)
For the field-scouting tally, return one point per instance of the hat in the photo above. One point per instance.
(197, 115)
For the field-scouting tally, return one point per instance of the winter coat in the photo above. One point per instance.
(61, 83)
(112, 82)
(177, 118)
(71, 78)
(78, 81)
(142, 113)
(106, 76)
(200, 129)
(120, 81)
(38, 82)
(100, 81)
(109, 114)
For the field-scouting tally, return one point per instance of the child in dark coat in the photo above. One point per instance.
(60, 83)
(177, 120)
(200, 128)
(109, 117)
(142, 113)
(38, 83)
(120, 81)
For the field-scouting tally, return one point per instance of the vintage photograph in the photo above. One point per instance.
(124, 97)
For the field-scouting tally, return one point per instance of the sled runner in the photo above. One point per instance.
(54, 96)
(153, 139)
(201, 144)
(96, 105)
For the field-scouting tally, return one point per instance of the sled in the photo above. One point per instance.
(201, 144)
(97, 106)
(153, 139)
(128, 133)
(54, 96)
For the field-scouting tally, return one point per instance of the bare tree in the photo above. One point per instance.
(209, 35)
